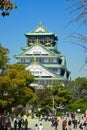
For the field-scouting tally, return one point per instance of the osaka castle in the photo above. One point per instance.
(42, 58)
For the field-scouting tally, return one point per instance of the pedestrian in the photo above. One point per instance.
(15, 124)
(40, 127)
(36, 127)
(81, 126)
(4, 126)
(56, 123)
(74, 123)
(41, 117)
(26, 124)
(84, 125)
(69, 123)
(64, 128)
(53, 123)
(19, 124)
(64, 123)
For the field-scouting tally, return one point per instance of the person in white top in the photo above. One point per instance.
(40, 127)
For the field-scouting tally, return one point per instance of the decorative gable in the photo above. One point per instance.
(38, 70)
(36, 50)
(39, 30)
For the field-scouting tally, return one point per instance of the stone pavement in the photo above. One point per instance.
(32, 122)
(21, 129)
(46, 124)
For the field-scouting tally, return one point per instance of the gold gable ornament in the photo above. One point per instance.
(34, 63)
(50, 54)
(55, 76)
(37, 41)
(34, 59)
(47, 44)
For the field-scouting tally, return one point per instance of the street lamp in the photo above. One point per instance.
(53, 109)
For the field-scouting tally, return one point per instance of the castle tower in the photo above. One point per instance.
(42, 58)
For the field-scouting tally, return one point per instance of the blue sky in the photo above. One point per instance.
(54, 16)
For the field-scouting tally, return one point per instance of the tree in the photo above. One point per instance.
(6, 6)
(80, 8)
(15, 83)
(78, 104)
(78, 88)
(61, 94)
(50, 98)
(15, 87)
(4, 59)
(44, 99)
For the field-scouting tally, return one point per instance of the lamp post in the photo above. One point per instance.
(53, 109)
(53, 103)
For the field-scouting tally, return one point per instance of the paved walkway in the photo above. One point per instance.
(46, 124)
(32, 122)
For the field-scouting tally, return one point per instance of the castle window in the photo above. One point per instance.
(62, 72)
(59, 61)
(36, 52)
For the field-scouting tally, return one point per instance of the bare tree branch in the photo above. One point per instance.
(80, 8)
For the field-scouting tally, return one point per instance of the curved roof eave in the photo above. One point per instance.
(30, 56)
(55, 79)
(41, 34)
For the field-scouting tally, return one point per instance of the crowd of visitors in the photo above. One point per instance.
(71, 122)
(6, 123)
(20, 123)
(68, 121)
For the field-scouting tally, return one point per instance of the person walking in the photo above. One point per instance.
(4, 126)
(15, 124)
(19, 124)
(56, 123)
(36, 127)
(74, 123)
(64, 123)
(26, 124)
(40, 127)
(69, 124)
